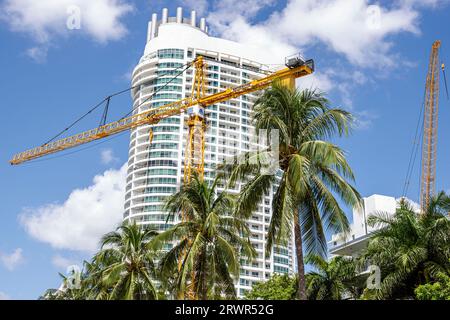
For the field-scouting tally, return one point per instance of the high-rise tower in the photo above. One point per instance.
(155, 166)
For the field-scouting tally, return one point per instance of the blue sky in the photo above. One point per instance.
(50, 75)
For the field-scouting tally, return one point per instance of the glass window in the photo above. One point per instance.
(171, 137)
(166, 172)
(280, 260)
(155, 199)
(171, 54)
(162, 163)
(282, 251)
(170, 65)
(172, 96)
(166, 129)
(279, 269)
(164, 189)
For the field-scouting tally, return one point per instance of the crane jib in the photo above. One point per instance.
(153, 116)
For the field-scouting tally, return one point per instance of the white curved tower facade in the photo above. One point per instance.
(155, 170)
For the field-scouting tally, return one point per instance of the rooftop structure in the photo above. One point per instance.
(358, 237)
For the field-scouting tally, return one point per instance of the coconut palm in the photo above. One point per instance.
(334, 280)
(93, 285)
(410, 248)
(124, 268)
(209, 242)
(314, 172)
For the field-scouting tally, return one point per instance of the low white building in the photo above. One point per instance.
(357, 239)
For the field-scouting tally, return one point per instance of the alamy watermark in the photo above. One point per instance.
(263, 150)
(374, 278)
(373, 17)
(73, 21)
(73, 278)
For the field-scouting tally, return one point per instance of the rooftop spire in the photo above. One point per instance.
(154, 24)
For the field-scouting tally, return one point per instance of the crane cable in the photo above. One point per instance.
(415, 148)
(445, 79)
(75, 122)
(187, 66)
(105, 112)
(443, 72)
(108, 99)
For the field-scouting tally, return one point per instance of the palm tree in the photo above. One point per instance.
(124, 268)
(209, 242)
(93, 285)
(410, 248)
(314, 171)
(332, 280)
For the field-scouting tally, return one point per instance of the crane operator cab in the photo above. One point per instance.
(298, 60)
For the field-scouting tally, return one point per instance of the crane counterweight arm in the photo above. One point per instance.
(153, 116)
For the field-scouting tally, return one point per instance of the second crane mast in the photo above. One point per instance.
(430, 126)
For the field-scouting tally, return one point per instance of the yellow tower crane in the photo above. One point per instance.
(430, 126)
(194, 106)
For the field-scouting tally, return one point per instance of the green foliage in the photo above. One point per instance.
(278, 287)
(411, 249)
(439, 290)
(333, 280)
(315, 172)
(368, 294)
(210, 241)
(122, 270)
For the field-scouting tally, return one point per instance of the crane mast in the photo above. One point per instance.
(196, 122)
(430, 126)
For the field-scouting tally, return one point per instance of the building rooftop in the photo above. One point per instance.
(357, 239)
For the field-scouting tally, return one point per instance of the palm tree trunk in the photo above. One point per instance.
(301, 290)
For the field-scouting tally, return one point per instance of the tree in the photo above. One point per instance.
(439, 290)
(314, 171)
(209, 242)
(333, 280)
(278, 287)
(411, 249)
(124, 269)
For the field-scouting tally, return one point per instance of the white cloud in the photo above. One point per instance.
(128, 75)
(11, 261)
(364, 119)
(4, 296)
(61, 262)
(225, 11)
(107, 156)
(200, 6)
(87, 214)
(353, 28)
(45, 20)
(38, 53)
(360, 31)
(320, 80)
